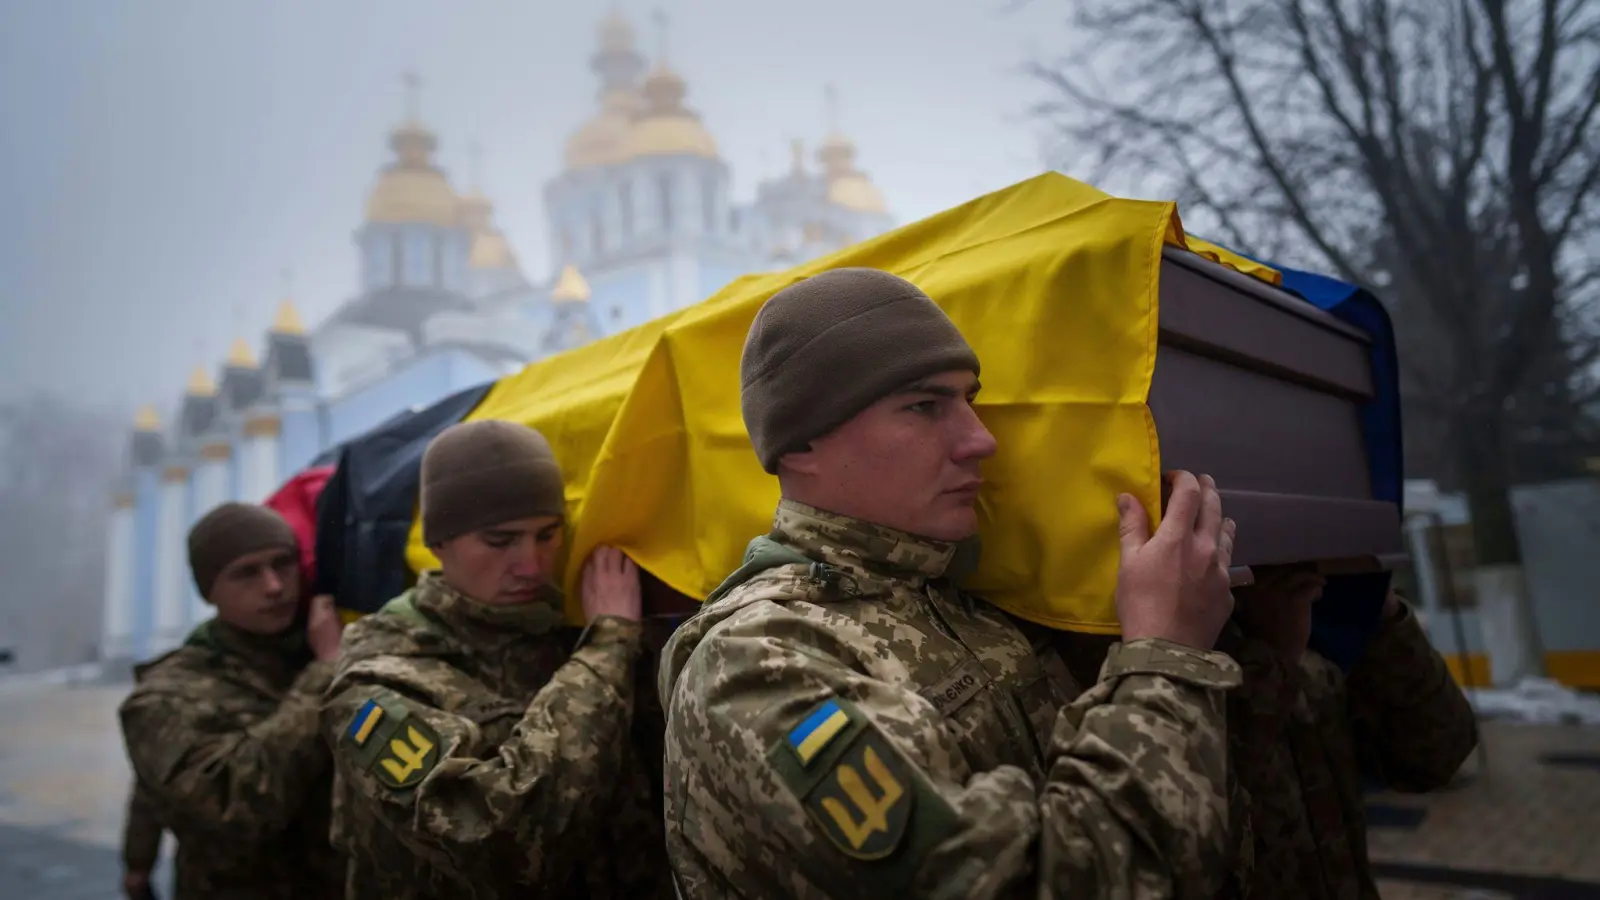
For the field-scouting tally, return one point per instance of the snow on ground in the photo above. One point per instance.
(1537, 700)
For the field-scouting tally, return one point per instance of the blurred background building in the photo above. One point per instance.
(642, 221)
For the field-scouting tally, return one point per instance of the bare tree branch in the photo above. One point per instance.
(1444, 153)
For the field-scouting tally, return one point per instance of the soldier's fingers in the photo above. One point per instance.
(1210, 521)
(1133, 527)
(1225, 542)
(1184, 505)
(611, 559)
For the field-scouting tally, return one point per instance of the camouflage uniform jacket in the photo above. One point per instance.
(141, 833)
(486, 752)
(1304, 740)
(842, 722)
(222, 734)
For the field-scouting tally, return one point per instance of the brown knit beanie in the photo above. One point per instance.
(484, 473)
(823, 349)
(230, 531)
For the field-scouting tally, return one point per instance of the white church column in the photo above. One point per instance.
(258, 458)
(116, 630)
(210, 492)
(171, 552)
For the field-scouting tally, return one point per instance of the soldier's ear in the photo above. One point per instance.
(800, 462)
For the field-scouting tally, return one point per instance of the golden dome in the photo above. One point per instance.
(666, 127)
(854, 191)
(570, 287)
(409, 196)
(411, 189)
(240, 356)
(600, 141)
(146, 419)
(200, 383)
(847, 187)
(288, 319)
(490, 250)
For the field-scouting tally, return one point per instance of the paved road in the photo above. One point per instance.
(63, 783)
(1528, 827)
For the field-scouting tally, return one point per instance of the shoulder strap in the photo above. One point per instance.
(762, 554)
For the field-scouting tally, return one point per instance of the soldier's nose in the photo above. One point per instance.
(531, 570)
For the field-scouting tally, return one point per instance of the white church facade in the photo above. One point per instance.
(642, 221)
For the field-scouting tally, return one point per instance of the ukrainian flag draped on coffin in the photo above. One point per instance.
(1053, 283)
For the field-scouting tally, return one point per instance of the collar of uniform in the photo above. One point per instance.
(271, 654)
(537, 617)
(857, 546)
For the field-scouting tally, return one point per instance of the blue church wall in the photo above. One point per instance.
(425, 380)
(573, 204)
(457, 246)
(621, 300)
(377, 258)
(191, 512)
(606, 214)
(235, 465)
(300, 440)
(417, 255)
(428, 256)
(147, 511)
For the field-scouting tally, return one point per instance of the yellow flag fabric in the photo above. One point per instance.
(1054, 284)
(1233, 260)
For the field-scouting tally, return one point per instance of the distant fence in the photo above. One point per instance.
(1558, 524)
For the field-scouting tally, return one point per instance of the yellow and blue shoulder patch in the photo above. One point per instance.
(858, 789)
(397, 748)
(814, 732)
(366, 719)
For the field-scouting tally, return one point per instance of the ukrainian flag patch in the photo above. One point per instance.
(365, 722)
(813, 735)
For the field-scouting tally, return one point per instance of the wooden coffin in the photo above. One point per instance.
(1262, 391)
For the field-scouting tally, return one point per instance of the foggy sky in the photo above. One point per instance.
(163, 161)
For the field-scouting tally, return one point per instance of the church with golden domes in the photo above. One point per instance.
(641, 221)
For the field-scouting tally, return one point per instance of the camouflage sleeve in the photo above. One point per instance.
(426, 775)
(204, 772)
(141, 833)
(1138, 793)
(795, 774)
(1412, 725)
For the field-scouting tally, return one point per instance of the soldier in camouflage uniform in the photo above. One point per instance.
(222, 732)
(484, 748)
(843, 722)
(1305, 736)
(141, 845)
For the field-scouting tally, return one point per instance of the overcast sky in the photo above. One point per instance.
(163, 161)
